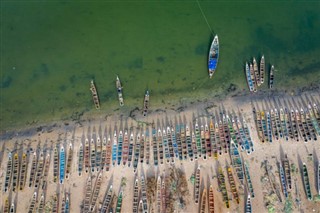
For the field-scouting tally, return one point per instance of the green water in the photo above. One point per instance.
(52, 49)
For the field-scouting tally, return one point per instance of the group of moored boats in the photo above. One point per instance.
(300, 123)
(96, 100)
(255, 75)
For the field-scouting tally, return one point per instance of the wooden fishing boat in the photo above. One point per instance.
(213, 140)
(248, 208)
(283, 181)
(183, 142)
(119, 90)
(147, 143)
(197, 186)
(304, 124)
(142, 148)
(248, 76)
(248, 179)
(159, 194)
(311, 128)
(23, 171)
(189, 143)
(154, 146)
(163, 194)
(287, 171)
(207, 139)
(136, 153)
(250, 148)
(203, 201)
(271, 77)
(211, 200)
(87, 155)
(125, 148)
(316, 113)
(140, 207)
(86, 203)
(95, 192)
(222, 137)
(15, 175)
(104, 152)
(135, 203)
(39, 171)
(144, 195)
(62, 164)
(254, 83)
(108, 154)
(170, 146)
(262, 69)
(55, 204)
(203, 143)
(63, 203)
(34, 170)
(114, 148)
(264, 126)
(222, 186)
(33, 201)
(131, 147)
(306, 182)
(269, 127)
(288, 123)
(146, 104)
(107, 201)
(194, 146)
(120, 141)
(69, 161)
(98, 153)
(318, 177)
(160, 146)
(174, 143)
(314, 120)
(274, 125)
(80, 160)
(283, 124)
(256, 73)
(300, 126)
(179, 143)
(294, 125)
(236, 161)
(166, 146)
(46, 171)
(198, 138)
(278, 123)
(95, 96)
(93, 156)
(244, 141)
(218, 141)
(41, 204)
(231, 130)
(12, 208)
(213, 56)
(119, 203)
(233, 186)
(67, 207)
(6, 207)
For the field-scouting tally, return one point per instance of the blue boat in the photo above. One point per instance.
(174, 143)
(120, 147)
(249, 80)
(62, 164)
(269, 127)
(114, 148)
(213, 56)
(283, 181)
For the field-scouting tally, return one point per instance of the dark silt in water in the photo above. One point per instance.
(51, 51)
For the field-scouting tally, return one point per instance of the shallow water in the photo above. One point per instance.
(51, 51)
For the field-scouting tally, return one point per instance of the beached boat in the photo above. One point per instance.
(87, 155)
(119, 203)
(119, 90)
(39, 171)
(23, 171)
(146, 104)
(207, 139)
(108, 154)
(114, 148)
(55, 203)
(6, 207)
(271, 77)
(222, 187)
(250, 147)
(203, 143)
(198, 138)
(197, 186)
(248, 76)
(159, 194)
(304, 123)
(283, 124)
(12, 208)
(135, 202)
(236, 161)
(98, 153)
(294, 125)
(86, 202)
(125, 152)
(63, 203)
(131, 147)
(194, 147)
(189, 143)
(264, 126)
(218, 141)
(174, 143)
(160, 146)
(119, 151)
(306, 182)
(95, 96)
(222, 137)
(248, 207)
(69, 161)
(147, 143)
(183, 142)
(318, 177)
(104, 152)
(41, 204)
(203, 201)
(283, 181)
(213, 56)
(278, 123)
(62, 164)
(256, 73)
(269, 127)
(67, 207)
(144, 195)
(254, 83)
(211, 199)
(178, 139)
(262, 69)
(33, 202)
(34, 170)
(154, 146)
(166, 146)
(93, 157)
(311, 127)
(107, 201)
(136, 153)
(233, 186)
(163, 194)
(15, 175)
(213, 140)
(274, 125)
(142, 147)
(314, 120)
(248, 179)
(95, 192)
(300, 126)
(287, 171)
(171, 153)
(80, 160)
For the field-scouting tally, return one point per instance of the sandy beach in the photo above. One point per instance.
(74, 132)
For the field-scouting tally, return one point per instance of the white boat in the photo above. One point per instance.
(213, 56)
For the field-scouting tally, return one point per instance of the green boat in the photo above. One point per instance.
(119, 203)
(306, 182)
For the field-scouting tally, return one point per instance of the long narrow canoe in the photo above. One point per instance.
(236, 161)
(12, 208)
(248, 76)
(107, 201)
(136, 153)
(155, 147)
(203, 143)
(142, 143)
(34, 169)
(183, 141)
(248, 207)
(131, 147)
(98, 153)
(80, 160)
(125, 148)
(55, 203)
(23, 171)
(271, 77)
(208, 142)
(160, 146)
(189, 142)
(163, 194)
(248, 180)
(119, 203)
(146, 104)
(262, 69)
(203, 201)
(33, 201)
(104, 152)
(86, 203)
(171, 152)
(254, 83)
(147, 143)
(166, 146)
(222, 186)
(306, 182)
(294, 125)
(179, 143)
(194, 147)
(62, 164)
(197, 186)
(46, 171)
(87, 155)
(144, 195)
(109, 154)
(287, 171)
(283, 181)
(119, 90)
(69, 161)
(39, 170)
(41, 204)
(213, 56)
(95, 96)
(135, 202)
(213, 139)
(114, 148)
(233, 185)
(211, 200)
(67, 208)
(198, 138)
(256, 73)
(174, 143)
(95, 191)
(93, 158)
(15, 176)
(159, 194)
(6, 207)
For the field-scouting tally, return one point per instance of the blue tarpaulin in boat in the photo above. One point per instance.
(212, 64)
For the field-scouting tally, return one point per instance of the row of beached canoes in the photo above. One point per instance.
(288, 123)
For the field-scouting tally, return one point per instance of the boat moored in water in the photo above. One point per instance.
(146, 104)
(213, 56)
(94, 95)
(119, 90)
